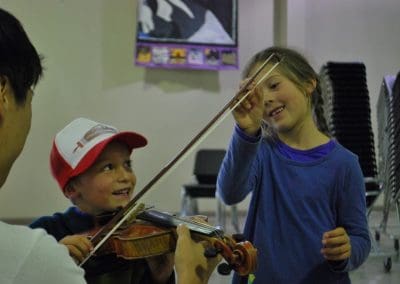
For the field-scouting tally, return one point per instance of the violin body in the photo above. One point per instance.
(140, 240)
(153, 233)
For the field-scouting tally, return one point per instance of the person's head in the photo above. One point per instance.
(20, 70)
(293, 87)
(91, 163)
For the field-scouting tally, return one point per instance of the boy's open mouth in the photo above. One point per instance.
(124, 191)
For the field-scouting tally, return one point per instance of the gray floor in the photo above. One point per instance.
(373, 270)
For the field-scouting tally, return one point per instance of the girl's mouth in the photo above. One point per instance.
(276, 111)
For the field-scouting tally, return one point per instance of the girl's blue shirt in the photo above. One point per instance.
(296, 197)
(305, 155)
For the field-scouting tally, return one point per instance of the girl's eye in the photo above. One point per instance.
(273, 86)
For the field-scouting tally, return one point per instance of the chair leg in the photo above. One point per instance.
(184, 202)
(235, 219)
(188, 205)
(194, 206)
(220, 218)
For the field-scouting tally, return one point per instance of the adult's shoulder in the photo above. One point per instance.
(23, 241)
(33, 256)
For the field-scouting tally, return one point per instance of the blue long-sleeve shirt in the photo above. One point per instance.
(293, 203)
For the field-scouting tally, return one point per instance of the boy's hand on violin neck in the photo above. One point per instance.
(249, 113)
(78, 246)
(336, 245)
(199, 218)
(190, 263)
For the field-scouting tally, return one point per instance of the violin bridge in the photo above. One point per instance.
(134, 212)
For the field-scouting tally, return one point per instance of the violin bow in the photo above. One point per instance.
(122, 215)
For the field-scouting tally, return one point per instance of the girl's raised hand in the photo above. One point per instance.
(249, 113)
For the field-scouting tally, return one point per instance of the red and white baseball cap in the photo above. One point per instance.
(77, 146)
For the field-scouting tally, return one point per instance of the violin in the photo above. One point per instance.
(152, 233)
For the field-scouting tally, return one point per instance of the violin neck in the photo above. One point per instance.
(169, 220)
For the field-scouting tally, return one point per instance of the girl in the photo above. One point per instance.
(307, 216)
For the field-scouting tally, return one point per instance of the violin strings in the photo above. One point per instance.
(218, 232)
(192, 221)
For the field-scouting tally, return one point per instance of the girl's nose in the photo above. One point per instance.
(268, 97)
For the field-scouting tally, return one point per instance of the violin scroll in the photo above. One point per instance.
(240, 257)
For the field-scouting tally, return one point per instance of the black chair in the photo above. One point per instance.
(206, 167)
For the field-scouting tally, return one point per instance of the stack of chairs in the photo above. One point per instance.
(387, 148)
(348, 114)
(389, 145)
(396, 140)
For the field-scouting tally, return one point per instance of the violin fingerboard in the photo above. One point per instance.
(169, 220)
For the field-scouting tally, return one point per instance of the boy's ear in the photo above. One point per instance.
(70, 191)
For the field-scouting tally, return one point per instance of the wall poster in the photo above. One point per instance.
(193, 34)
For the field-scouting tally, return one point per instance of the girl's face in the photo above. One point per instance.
(108, 184)
(286, 107)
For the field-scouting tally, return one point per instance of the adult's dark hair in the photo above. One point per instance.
(297, 69)
(19, 60)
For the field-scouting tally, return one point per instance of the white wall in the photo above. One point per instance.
(88, 49)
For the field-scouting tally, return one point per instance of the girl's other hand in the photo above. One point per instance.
(336, 245)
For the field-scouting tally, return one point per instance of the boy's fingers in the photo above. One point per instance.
(182, 231)
(75, 253)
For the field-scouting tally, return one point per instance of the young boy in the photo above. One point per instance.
(91, 163)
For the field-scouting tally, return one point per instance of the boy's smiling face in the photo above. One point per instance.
(107, 185)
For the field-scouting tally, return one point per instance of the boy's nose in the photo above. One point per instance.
(124, 174)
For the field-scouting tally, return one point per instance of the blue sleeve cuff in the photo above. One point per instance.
(340, 266)
(246, 137)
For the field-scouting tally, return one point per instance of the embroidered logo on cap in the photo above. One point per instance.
(94, 132)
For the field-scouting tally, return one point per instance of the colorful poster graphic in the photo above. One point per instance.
(194, 34)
